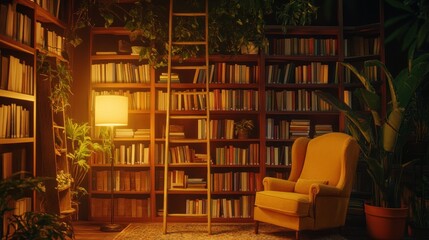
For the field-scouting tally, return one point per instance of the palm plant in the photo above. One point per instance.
(81, 148)
(376, 135)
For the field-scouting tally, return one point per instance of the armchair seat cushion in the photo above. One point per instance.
(288, 203)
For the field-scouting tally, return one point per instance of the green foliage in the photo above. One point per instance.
(376, 135)
(234, 24)
(30, 225)
(39, 225)
(15, 188)
(61, 81)
(81, 148)
(296, 13)
(411, 25)
(244, 124)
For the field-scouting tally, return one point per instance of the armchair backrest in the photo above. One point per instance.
(331, 157)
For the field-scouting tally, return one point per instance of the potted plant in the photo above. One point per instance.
(80, 148)
(243, 128)
(30, 225)
(378, 135)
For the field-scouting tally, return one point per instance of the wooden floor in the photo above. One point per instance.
(91, 231)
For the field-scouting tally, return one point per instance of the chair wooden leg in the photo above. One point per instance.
(256, 227)
(297, 235)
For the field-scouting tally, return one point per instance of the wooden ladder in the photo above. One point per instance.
(202, 114)
(53, 148)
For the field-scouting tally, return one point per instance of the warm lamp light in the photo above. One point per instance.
(111, 111)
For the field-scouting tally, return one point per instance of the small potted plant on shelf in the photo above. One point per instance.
(243, 128)
(379, 137)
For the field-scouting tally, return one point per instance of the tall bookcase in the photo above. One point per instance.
(20, 22)
(123, 74)
(274, 88)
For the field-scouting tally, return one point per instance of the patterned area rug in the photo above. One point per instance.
(196, 231)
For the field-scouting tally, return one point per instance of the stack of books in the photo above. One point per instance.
(124, 133)
(196, 183)
(177, 131)
(142, 133)
(299, 128)
(163, 78)
(320, 129)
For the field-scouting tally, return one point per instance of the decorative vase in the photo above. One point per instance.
(242, 134)
(385, 223)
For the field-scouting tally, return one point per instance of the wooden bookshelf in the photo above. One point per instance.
(18, 92)
(274, 88)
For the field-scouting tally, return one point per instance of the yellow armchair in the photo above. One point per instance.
(317, 193)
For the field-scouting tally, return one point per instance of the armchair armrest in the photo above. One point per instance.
(277, 184)
(324, 190)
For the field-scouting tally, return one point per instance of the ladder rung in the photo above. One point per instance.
(186, 215)
(187, 140)
(190, 117)
(190, 43)
(188, 14)
(189, 93)
(188, 67)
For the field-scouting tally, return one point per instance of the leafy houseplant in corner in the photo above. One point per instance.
(243, 128)
(378, 136)
(81, 147)
(30, 225)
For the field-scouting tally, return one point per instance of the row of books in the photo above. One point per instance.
(16, 75)
(236, 181)
(299, 100)
(278, 155)
(185, 154)
(221, 73)
(119, 72)
(221, 128)
(234, 73)
(194, 158)
(49, 40)
(303, 46)
(231, 155)
(181, 100)
(234, 99)
(315, 72)
(188, 100)
(15, 121)
(178, 179)
(196, 206)
(241, 207)
(281, 129)
(277, 129)
(361, 46)
(133, 154)
(52, 6)
(15, 24)
(124, 207)
(138, 181)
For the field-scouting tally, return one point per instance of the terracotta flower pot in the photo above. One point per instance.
(242, 134)
(385, 223)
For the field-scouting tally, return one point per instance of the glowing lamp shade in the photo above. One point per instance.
(111, 110)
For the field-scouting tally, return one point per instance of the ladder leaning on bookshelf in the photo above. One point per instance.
(182, 180)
